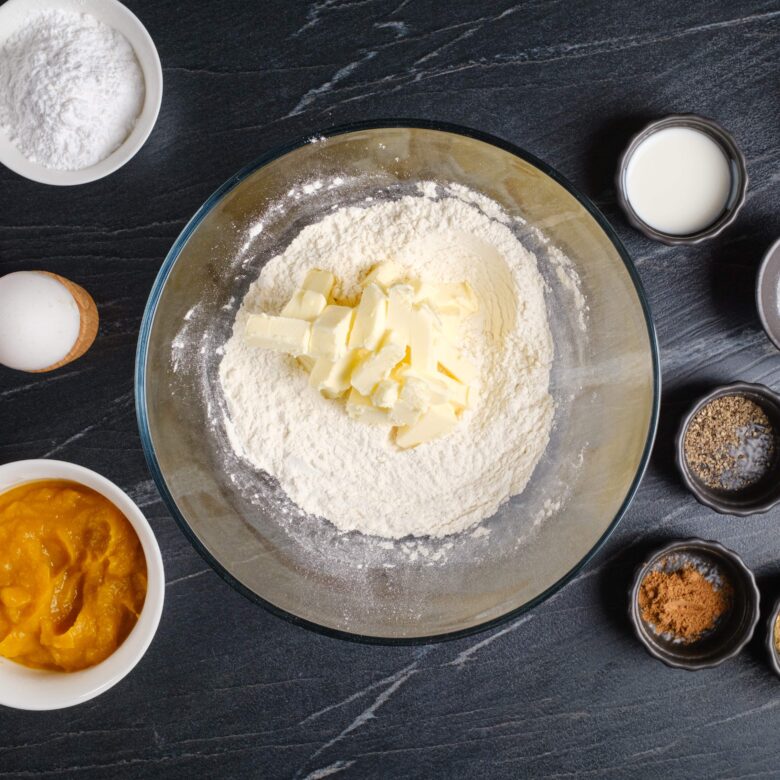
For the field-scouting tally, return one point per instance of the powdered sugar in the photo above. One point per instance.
(352, 474)
(71, 89)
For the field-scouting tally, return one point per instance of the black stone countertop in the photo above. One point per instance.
(226, 689)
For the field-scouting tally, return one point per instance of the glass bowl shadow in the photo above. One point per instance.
(605, 382)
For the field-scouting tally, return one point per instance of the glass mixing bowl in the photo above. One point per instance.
(605, 382)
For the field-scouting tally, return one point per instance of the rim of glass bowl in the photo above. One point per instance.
(172, 257)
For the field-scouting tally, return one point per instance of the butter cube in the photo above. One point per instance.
(423, 341)
(384, 274)
(378, 366)
(331, 378)
(282, 334)
(385, 394)
(330, 331)
(452, 298)
(360, 408)
(319, 281)
(455, 364)
(438, 421)
(370, 319)
(399, 310)
(305, 305)
(307, 362)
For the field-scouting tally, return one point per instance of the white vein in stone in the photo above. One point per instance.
(327, 771)
(339, 75)
(463, 657)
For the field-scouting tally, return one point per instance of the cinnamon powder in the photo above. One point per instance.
(682, 602)
(777, 634)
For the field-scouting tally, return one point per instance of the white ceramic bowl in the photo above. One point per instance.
(114, 14)
(33, 689)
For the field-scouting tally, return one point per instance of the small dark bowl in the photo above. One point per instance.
(774, 656)
(734, 629)
(759, 497)
(739, 177)
(768, 295)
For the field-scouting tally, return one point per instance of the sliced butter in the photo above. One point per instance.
(393, 355)
(423, 341)
(331, 378)
(416, 393)
(450, 327)
(438, 421)
(330, 331)
(457, 298)
(282, 334)
(305, 305)
(319, 281)
(377, 366)
(360, 408)
(370, 319)
(455, 364)
(385, 394)
(457, 393)
(438, 392)
(404, 415)
(400, 314)
(384, 274)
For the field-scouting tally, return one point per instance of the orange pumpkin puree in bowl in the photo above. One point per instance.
(72, 576)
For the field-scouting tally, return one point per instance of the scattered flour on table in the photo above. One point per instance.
(71, 89)
(352, 474)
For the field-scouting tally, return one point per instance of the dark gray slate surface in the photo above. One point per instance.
(228, 690)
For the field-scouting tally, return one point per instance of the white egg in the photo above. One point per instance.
(39, 321)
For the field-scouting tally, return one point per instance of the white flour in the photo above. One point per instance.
(71, 89)
(352, 474)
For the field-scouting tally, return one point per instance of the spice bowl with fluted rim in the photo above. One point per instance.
(768, 293)
(771, 644)
(734, 628)
(27, 688)
(754, 498)
(736, 164)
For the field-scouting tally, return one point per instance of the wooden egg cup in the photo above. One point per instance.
(88, 326)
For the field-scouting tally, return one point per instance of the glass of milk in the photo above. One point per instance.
(682, 179)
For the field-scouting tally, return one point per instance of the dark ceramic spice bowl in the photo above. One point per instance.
(737, 166)
(768, 293)
(758, 497)
(774, 655)
(733, 630)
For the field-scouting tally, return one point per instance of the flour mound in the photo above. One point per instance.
(352, 474)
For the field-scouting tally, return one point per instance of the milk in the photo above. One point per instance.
(678, 181)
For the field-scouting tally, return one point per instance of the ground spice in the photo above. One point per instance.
(730, 443)
(682, 602)
(777, 634)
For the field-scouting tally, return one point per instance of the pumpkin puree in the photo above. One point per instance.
(72, 576)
